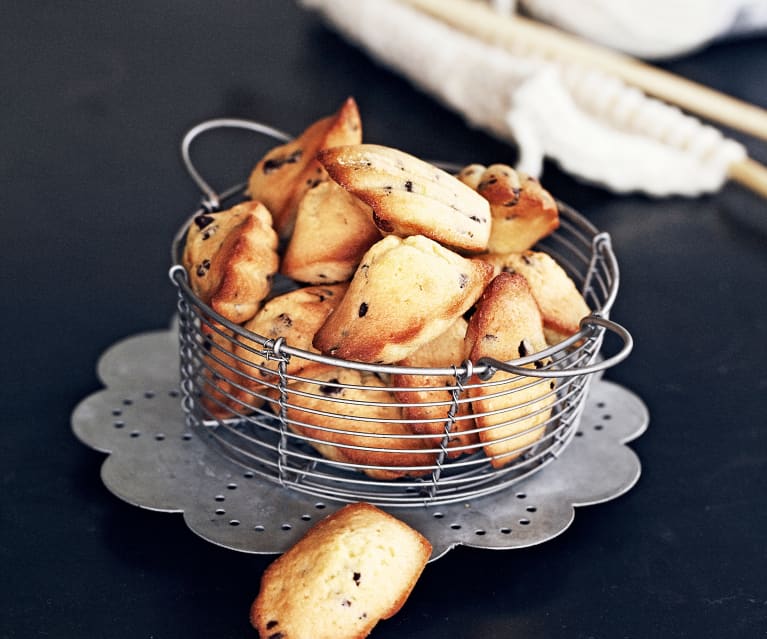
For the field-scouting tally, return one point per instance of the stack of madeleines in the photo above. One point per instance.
(396, 262)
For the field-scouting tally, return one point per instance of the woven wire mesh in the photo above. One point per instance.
(351, 440)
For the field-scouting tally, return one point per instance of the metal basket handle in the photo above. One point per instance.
(587, 323)
(211, 198)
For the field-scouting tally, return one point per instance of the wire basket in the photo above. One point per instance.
(341, 433)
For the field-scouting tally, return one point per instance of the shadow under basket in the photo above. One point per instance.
(351, 441)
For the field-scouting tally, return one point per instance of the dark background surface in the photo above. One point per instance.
(96, 97)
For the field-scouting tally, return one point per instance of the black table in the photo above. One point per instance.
(96, 98)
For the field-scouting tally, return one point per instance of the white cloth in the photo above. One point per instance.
(592, 125)
(651, 29)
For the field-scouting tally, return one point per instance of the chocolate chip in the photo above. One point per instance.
(346, 603)
(538, 364)
(522, 349)
(331, 390)
(515, 200)
(324, 294)
(384, 225)
(526, 259)
(463, 280)
(285, 319)
(203, 220)
(409, 186)
(356, 576)
(363, 309)
(203, 268)
(272, 164)
(271, 624)
(490, 337)
(476, 219)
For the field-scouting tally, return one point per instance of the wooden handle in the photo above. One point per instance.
(518, 33)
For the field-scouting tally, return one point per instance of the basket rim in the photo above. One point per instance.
(590, 326)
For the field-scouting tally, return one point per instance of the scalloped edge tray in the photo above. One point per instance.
(155, 462)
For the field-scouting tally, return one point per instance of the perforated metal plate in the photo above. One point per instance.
(155, 462)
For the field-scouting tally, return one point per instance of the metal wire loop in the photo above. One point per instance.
(601, 246)
(282, 445)
(587, 326)
(461, 377)
(212, 199)
(176, 273)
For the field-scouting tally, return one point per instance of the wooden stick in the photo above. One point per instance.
(518, 33)
(751, 174)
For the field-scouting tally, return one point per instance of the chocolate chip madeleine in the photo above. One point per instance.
(405, 293)
(349, 571)
(286, 172)
(295, 317)
(352, 417)
(510, 410)
(523, 212)
(333, 230)
(410, 196)
(561, 303)
(428, 402)
(231, 257)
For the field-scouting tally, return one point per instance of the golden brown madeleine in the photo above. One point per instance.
(333, 230)
(231, 257)
(444, 351)
(349, 571)
(295, 317)
(410, 196)
(286, 172)
(220, 384)
(334, 391)
(523, 211)
(471, 175)
(405, 293)
(561, 303)
(507, 325)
